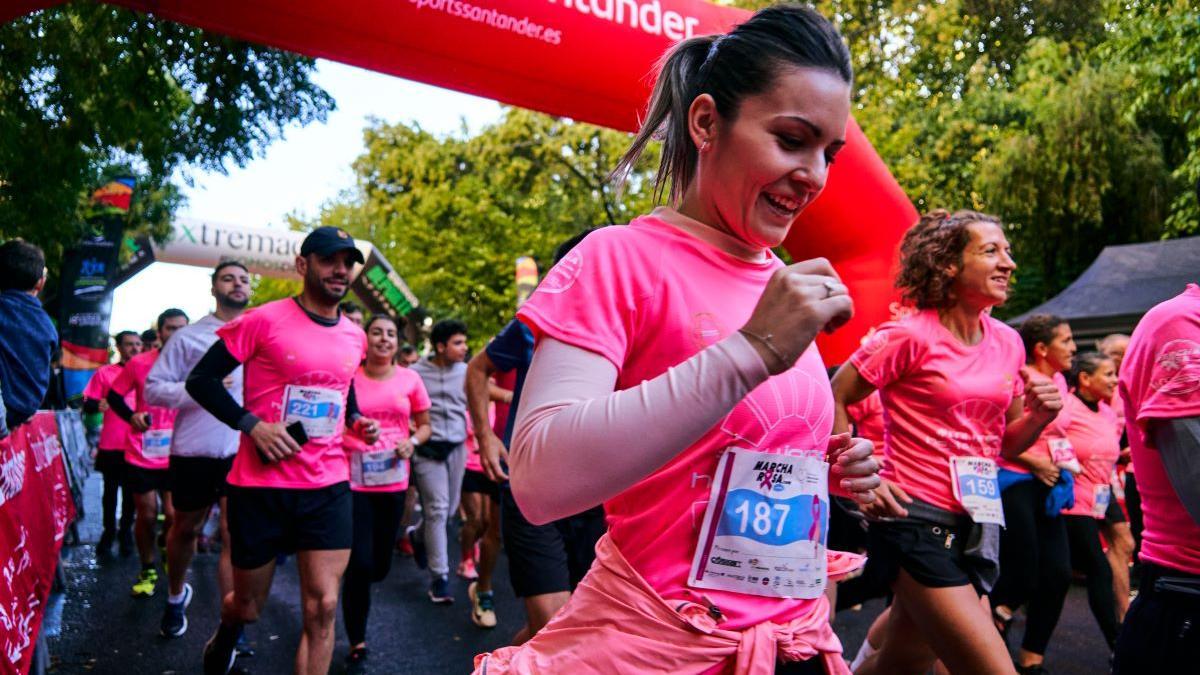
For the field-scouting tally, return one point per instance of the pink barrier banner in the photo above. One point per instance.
(35, 510)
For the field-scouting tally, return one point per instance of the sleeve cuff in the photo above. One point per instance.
(248, 422)
(745, 359)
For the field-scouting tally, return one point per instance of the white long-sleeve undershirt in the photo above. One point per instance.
(578, 443)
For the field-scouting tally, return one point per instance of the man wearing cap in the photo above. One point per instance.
(289, 485)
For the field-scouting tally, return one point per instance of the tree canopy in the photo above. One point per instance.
(89, 90)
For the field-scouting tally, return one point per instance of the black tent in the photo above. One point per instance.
(1121, 285)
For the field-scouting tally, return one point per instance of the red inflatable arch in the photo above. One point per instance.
(590, 60)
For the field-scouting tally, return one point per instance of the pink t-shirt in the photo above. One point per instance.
(391, 403)
(868, 419)
(474, 461)
(649, 296)
(506, 380)
(1056, 430)
(283, 350)
(114, 432)
(1160, 379)
(941, 398)
(1096, 439)
(132, 381)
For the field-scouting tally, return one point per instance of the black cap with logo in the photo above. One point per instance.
(328, 240)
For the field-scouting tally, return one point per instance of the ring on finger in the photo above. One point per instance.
(831, 287)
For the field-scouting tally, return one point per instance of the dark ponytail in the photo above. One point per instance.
(728, 67)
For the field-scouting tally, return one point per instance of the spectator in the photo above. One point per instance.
(27, 338)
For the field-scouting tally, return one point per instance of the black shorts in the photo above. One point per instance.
(110, 462)
(267, 522)
(475, 481)
(198, 482)
(1161, 633)
(139, 480)
(548, 558)
(1114, 515)
(919, 548)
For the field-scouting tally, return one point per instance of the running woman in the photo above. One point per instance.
(379, 473)
(953, 394)
(202, 448)
(545, 562)
(675, 379)
(1160, 385)
(439, 463)
(147, 450)
(110, 449)
(1096, 438)
(289, 486)
(1122, 531)
(481, 526)
(1035, 563)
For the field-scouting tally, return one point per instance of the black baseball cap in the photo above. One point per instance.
(328, 240)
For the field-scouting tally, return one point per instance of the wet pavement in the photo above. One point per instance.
(107, 631)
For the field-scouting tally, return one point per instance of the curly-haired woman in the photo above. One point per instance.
(950, 377)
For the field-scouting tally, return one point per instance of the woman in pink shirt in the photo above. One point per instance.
(379, 473)
(1096, 438)
(953, 398)
(676, 381)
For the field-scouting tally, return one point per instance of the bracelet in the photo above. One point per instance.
(766, 341)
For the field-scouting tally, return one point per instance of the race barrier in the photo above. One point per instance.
(36, 509)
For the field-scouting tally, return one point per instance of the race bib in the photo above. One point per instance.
(977, 489)
(318, 409)
(156, 443)
(377, 468)
(1101, 497)
(1062, 453)
(765, 526)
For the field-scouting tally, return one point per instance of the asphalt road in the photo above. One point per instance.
(107, 631)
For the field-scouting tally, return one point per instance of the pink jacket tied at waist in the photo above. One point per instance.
(616, 623)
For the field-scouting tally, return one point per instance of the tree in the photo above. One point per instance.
(87, 90)
(453, 213)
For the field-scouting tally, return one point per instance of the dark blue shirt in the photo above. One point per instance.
(512, 348)
(27, 341)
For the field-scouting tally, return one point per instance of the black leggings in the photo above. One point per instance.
(108, 500)
(376, 523)
(1133, 504)
(1088, 557)
(1035, 558)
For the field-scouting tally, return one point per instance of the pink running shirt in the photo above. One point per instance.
(649, 296)
(391, 403)
(941, 398)
(114, 432)
(132, 381)
(1056, 430)
(1097, 442)
(1160, 379)
(506, 380)
(279, 345)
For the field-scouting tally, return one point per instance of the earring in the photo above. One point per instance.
(704, 146)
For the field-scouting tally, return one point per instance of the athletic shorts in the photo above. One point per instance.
(110, 461)
(548, 558)
(267, 522)
(140, 480)
(198, 482)
(1114, 515)
(919, 548)
(477, 481)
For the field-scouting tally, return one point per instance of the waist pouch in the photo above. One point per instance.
(436, 450)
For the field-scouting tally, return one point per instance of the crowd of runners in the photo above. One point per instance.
(677, 480)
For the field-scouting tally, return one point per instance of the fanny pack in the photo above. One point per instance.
(436, 450)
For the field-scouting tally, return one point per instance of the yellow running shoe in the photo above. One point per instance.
(144, 586)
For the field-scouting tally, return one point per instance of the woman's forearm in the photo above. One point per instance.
(578, 443)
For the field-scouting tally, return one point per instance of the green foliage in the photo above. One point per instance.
(453, 213)
(88, 91)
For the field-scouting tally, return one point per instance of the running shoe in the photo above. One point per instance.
(243, 648)
(104, 546)
(483, 607)
(466, 570)
(144, 586)
(356, 661)
(439, 590)
(404, 547)
(218, 657)
(174, 620)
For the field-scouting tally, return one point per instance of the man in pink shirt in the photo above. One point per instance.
(110, 449)
(289, 486)
(1160, 386)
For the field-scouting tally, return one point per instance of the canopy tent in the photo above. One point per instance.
(590, 60)
(1121, 285)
